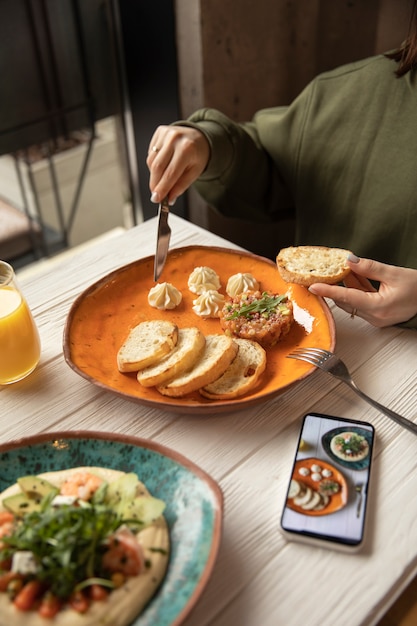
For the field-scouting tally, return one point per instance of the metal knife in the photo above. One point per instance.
(163, 237)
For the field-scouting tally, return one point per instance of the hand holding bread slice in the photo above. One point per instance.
(306, 265)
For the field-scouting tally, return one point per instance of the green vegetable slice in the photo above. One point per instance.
(67, 543)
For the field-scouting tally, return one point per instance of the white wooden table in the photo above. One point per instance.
(259, 579)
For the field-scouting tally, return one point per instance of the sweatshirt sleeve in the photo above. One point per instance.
(241, 180)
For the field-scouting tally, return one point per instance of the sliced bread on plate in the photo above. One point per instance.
(306, 265)
(242, 374)
(189, 346)
(145, 344)
(219, 351)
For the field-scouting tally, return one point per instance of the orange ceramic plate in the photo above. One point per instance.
(336, 502)
(102, 316)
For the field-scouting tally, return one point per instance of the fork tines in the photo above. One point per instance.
(314, 356)
(312, 351)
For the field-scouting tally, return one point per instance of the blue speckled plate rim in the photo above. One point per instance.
(154, 446)
(355, 465)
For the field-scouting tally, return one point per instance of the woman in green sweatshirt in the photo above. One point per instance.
(342, 158)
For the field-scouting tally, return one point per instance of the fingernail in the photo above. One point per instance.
(172, 201)
(155, 197)
(353, 258)
(311, 289)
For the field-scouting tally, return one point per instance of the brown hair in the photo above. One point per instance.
(406, 54)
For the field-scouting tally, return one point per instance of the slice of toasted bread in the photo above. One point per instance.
(145, 344)
(305, 265)
(242, 374)
(219, 351)
(189, 346)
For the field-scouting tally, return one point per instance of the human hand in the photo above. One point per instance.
(176, 158)
(394, 302)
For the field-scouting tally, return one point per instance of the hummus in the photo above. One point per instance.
(349, 446)
(123, 604)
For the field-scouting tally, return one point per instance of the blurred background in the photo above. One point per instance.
(85, 83)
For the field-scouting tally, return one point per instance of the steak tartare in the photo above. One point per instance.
(264, 317)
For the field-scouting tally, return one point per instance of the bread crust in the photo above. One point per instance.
(146, 344)
(182, 357)
(242, 375)
(306, 265)
(219, 351)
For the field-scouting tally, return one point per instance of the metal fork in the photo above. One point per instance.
(331, 364)
(359, 491)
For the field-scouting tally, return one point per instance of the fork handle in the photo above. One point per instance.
(359, 505)
(402, 421)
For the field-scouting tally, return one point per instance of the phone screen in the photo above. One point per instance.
(327, 493)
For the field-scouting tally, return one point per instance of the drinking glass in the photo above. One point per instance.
(20, 347)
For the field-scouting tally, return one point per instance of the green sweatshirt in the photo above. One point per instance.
(342, 158)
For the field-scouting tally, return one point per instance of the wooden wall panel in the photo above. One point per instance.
(242, 55)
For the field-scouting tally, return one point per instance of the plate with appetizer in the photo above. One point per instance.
(213, 335)
(349, 447)
(103, 528)
(316, 488)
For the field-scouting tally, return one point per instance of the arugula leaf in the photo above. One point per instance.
(265, 306)
(353, 445)
(66, 543)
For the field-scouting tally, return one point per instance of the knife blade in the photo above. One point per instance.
(163, 237)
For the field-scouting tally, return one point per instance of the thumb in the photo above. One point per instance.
(369, 268)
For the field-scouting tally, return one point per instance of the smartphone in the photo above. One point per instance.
(327, 494)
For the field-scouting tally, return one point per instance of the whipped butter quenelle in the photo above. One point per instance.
(19, 338)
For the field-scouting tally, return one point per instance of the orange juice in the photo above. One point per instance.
(19, 338)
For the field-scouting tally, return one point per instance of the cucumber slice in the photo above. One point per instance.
(145, 509)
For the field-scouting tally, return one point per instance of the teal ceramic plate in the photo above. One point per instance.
(354, 465)
(194, 503)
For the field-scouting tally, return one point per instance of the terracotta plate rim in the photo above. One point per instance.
(179, 405)
(344, 491)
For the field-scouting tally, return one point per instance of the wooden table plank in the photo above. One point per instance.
(259, 577)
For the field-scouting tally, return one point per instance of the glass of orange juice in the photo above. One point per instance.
(20, 346)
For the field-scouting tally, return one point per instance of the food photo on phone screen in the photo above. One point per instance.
(328, 487)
